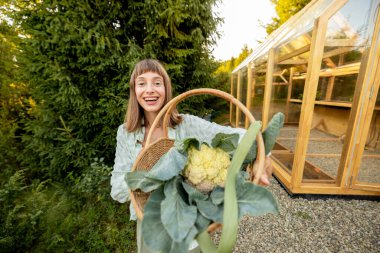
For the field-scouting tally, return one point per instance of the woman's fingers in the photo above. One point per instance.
(267, 173)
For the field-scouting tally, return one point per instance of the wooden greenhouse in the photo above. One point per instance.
(322, 70)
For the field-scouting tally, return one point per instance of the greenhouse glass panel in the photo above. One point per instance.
(346, 39)
(369, 171)
(234, 93)
(258, 89)
(243, 94)
(288, 83)
(344, 88)
(293, 28)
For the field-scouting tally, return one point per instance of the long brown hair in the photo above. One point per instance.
(135, 113)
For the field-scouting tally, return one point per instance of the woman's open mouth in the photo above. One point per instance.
(151, 100)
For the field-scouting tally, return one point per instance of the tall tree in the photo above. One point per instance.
(14, 101)
(225, 68)
(77, 59)
(284, 9)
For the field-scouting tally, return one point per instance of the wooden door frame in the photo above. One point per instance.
(363, 106)
(310, 90)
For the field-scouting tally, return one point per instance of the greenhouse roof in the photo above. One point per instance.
(297, 25)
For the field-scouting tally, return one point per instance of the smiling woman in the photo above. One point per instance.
(150, 91)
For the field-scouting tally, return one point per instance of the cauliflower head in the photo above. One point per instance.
(207, 167)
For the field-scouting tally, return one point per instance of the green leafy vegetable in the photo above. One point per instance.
(153, 231)
(217, 195)
(178, 217)
(139, 180)
(193, 193)
(201, 223)
(191, 142)
(271, 132)
(254, 200)
(177, 212)
(168, 166)
(226, 142)
(210, 210)
(230, 216)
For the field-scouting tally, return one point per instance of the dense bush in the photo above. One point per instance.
(47, 216)
(77, 60)
(65, 68)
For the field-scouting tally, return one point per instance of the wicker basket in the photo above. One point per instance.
(151, 153)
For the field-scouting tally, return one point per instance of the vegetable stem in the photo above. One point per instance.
(230, 214)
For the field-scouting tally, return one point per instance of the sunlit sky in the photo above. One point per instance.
(241, 25)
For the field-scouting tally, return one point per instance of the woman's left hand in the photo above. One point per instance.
(266, 174)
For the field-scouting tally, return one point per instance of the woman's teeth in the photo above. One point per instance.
(151, 99)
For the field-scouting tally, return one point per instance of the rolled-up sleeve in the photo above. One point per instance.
(123, 164)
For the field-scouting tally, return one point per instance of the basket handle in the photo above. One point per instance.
(169, 107)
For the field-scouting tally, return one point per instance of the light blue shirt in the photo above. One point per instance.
(129, 146)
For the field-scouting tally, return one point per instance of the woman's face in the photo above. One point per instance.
(150, 92)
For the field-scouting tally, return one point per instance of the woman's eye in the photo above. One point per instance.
(140, 84)
(158, 83)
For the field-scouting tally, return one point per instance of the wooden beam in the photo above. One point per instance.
(294, 53)
(281, 173)
(311, 139)
(356, 42)
(329, 103)
(249, 93)
(341, 70)
(293, 62)
(337, 104)
(295, 100)
(330, 87)
(320, 188)
(268, 87)
(319, 181)
(373, 187)
(340, 50)
(299, 77)
(329, 62)
(232, 94)
(286, 59)
(311, 83)
(322, 155)
(279, 84)
(238, 98)
(289, 95)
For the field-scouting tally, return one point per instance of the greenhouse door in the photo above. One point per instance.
(362, 168)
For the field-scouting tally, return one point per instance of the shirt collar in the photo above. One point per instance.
(139, 137)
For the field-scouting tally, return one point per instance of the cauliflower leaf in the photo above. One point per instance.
(271, 132)
(177, 217)
(226, 142)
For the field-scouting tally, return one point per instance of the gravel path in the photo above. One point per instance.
(312, 224)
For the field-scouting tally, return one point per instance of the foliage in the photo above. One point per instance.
(64, 84)
(229, 65)
(284, 9)
(50, 217)
(77, 59)
(222, 77)
(14, 101)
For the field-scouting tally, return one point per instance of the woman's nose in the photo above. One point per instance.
(149, 87)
